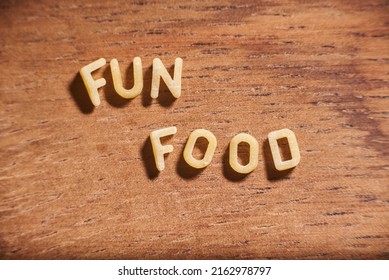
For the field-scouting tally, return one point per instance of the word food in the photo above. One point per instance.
(160, 150)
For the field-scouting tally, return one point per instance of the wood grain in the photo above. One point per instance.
(79, 182)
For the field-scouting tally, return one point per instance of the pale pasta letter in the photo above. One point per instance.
(158, 149)
(159, 71)
(254, 149)
(118, 83)
(188, 150)
(91, 84)
(275, 150)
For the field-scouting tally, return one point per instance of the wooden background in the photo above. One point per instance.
(79, 182)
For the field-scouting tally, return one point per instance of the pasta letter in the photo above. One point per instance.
(275, 151)
(188, 150)
(158, 149)
(91, 84)
(159, 71)
(253, 162)
(118, 83)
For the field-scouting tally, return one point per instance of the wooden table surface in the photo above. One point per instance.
(80, 182)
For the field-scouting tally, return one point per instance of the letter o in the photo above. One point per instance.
(253, 162)
(208, 155)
